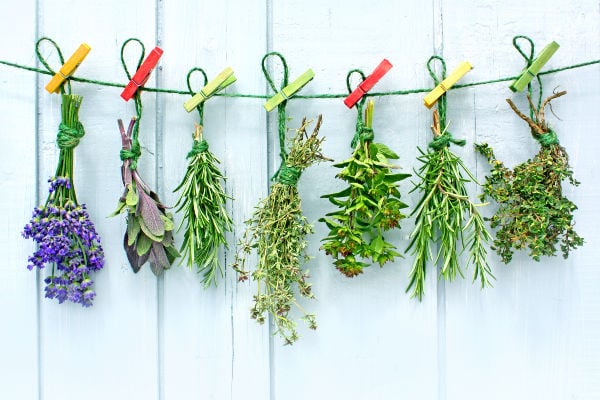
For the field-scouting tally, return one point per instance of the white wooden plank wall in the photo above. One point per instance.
(535, 335)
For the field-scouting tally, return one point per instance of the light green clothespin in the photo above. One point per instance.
(224, 79)
(529, 73)
(289, 90)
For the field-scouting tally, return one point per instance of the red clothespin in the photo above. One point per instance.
(368, 83)
(142, 74)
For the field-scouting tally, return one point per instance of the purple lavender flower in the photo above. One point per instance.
(67, 240)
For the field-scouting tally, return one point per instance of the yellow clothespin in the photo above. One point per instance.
(433, 96)
(221, 81)
(289, 90)
(68, 68)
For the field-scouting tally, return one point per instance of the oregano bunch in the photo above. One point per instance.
(277, 232)
(368, 207)
(532, 211)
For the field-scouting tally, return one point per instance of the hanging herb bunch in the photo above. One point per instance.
(445, 216)
(202, 200)
(149, 235)
(533, 213)
(369, 206)
(277, 231)
(62, 228)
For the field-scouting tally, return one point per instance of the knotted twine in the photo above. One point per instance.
(445, 137)
(135, 152)
(363, 133)
(286, 174)
(200, 145)
(549, 138)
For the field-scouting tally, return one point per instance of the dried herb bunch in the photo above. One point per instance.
(532, 212)
(368, 207)
(445, 216)
(149, 235)
(202, 201)
(277, 231)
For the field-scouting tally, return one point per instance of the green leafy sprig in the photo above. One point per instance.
(368, 207)
(149, 235)
(445, 217)
(277, 232)
(533, 213)
(202, 200)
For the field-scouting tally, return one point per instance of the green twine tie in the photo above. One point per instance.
(200, 146)
(444, 140)
(547, 139)
(528, 61)
(133, 154)
(363, 133)
(289, 175)
(67, 137)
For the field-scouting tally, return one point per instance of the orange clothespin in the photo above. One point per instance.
(68, 68)
(142, 74)
(366, 85)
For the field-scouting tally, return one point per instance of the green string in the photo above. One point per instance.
(289, 175)
(199, 146)
(281, 116)
(199, 107)
(363, 133)
(446, 137)
(547, 139)
(529, 60)
(67, 137)
(135, 151)
(42, 59)
(310, 96)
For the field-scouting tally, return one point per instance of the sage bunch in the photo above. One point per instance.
(533, 212)
(149, 234)
(205, 220)
(277, 232)
(368, 207)
(447, 222)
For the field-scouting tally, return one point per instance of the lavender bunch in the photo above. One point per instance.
(62, 228)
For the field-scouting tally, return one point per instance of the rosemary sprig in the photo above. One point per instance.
(202, 200)
(277, 231)
(532, 212)
(445, 216)
(368, 207)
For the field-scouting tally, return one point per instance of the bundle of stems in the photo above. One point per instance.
(368, 207)
(277, 232)
(202, 201)
(533, 213)
(445, 216)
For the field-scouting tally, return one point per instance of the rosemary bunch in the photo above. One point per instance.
(532, 212)
(368, 207)
(149, 235)
(277, 230)
(445, 217)
(202, 201)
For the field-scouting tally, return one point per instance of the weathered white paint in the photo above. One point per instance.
(533, 336)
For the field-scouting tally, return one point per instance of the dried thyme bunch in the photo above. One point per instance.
(202, 201)
(532, 213)
(368, 207)
(149, 235)
(277, 231)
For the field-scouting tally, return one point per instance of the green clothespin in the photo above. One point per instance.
(224, 79)
(289, 90)
(529, 73)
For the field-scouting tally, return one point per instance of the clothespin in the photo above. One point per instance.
(366, 85)
(68, 68)
(529, 73)
(290, 90)
(142, 74)
(224, 79)
(445, 85)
